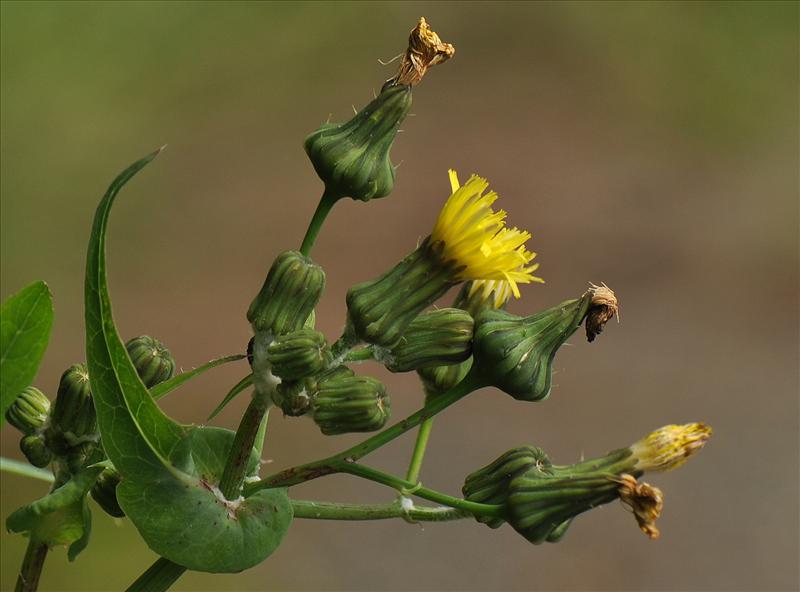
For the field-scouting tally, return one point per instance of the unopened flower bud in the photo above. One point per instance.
(28, 412)
(153, 361)
(436, 338)
(35, 450)
(352, 158)
(289, 294)
(516, 354)
(345, 403)
(489, 485)
(294, 397)
(73, 413)
(298, 354)
(104, 492)
(440, 379)
(544, 498)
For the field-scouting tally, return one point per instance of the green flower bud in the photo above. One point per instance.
(298, 354)
(381, 310)
(352, 158)
(516, 354)
(28, 412)
(441, 379)
(346, 403)
(35, 450)
(294, 397)
(436, 338)
(73, 414)
(490, 484)
(542, 499)
(289, 294)
(104, 492)
(153, 362)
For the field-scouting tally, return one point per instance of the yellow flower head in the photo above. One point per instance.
(670, 446)
(475, 236)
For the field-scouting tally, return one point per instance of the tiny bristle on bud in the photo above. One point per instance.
(645, 501)
(670, 446)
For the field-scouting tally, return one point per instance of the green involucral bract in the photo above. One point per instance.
(25, 322)
(169, 471)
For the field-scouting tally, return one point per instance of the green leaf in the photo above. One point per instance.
(166, 387)
(195, 526)
(61, 517)
(25, 322)
(235, 390)
(169, 471)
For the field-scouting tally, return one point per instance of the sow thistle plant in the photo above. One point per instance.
(195, 493)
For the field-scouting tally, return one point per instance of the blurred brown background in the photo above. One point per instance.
(652, 146)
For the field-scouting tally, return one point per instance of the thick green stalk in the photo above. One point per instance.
(230, 485)
(32, 565)
(330, 465)
(333, 511)
(323, 209)
(158, 577)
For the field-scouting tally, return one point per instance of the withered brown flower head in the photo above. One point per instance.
(425, 49)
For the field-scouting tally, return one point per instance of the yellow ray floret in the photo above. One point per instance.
(477, 239)
(670, 446)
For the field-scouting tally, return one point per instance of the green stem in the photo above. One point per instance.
(32, 565)
(419, 450)
(328, 466)
(158, 577)
(411, 488)
(9, 465)
(230, 485)
(323, 209)
(333, 511)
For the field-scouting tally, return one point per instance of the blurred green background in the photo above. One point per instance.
(652, 146)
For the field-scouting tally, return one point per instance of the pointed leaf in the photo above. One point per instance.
(235, 390)
(166, 387)
(169, 471)
(25, 322)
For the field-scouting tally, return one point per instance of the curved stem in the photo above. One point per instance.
(333, 511)
(32, 565)
(328, 466)
(158, 577)
(323, 209)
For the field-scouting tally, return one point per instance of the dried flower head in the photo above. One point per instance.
(425, 49)
(645, 501)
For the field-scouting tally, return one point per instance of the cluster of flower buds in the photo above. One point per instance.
(66, 431)
(541, 499)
